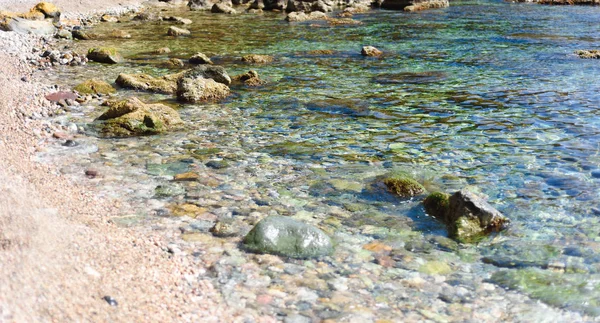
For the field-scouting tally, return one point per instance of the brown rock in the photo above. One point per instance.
(186, 177)
(257, 59)
(370, 51)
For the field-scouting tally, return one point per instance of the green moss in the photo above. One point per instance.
(436, 204)
(94, 87)
(403, 185)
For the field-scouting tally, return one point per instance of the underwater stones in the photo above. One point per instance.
(187, 209)
(132, 117)
(176, 31)
(370, 51)
(217, 73)
(414, 5)
(257, 59)
(288, 237)
(225, 228)
(186, 177)
(107, 55)
(200, 89)
(94, 86)
(588, 54)
(168, 190)
(200, 58)
(166, 84)
(403, 186)
(249, 78)
(301, 16)
(467, 216)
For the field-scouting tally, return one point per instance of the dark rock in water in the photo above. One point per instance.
(404, 186)
(215, 72)
(200, 4)
(437, 204)
(111, 301)
(410, 78)
(217, 164)
(288, 237)
(469, 217)
(414, 5)
(107, 55)
(200, 58)
(310, 5)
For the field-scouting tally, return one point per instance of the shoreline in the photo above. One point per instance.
(61, 258)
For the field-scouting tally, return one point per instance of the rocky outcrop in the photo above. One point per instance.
(166, 84)
(467, 216)
(310, 5)
(414, 5)
(594, 54)
(288, 237)
(107, 55)
(199, 89)
(132, 117)
(94, 87)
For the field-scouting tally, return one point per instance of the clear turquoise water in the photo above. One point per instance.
(484, 93)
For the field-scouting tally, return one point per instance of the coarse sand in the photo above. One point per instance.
(59, 253)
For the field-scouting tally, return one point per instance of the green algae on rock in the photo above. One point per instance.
(403, 185)
(436, 204)
(94, 86)
(288, 237)
(132, 117)
(107, 55)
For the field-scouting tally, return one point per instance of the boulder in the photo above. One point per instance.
(107, 55)
(176, 31)
(257, 59)
(94, 87)
(173, 63)
(594, 53)
(49, 10)
(301, 16)
(132, 117)
(165, 84)
(370, 51)
(214, 72)
(414, 5)
(403, 185)
(200, 58)
(288, 237)
(199, 89)
(467, 216)
(250, 79)
(25, 26)
(221, 7)
(309, 5)
(200, 4)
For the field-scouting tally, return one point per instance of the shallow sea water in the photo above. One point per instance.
(484, 94)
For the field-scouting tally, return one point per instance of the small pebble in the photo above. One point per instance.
(111, 301)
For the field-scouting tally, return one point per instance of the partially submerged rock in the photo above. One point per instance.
(403, 185)
(132, 117)
(594, 53)
(178, 20)
(257, 58)
(301, 16)
(166, 84)
(414, 5)
(370, 51)
(288, 237)
(467, 216)
(107, 55)
(215, 72)
(200, 58)
(223, 7)
(249, 78)
(176, 31)
(199, 89)
(94, 87)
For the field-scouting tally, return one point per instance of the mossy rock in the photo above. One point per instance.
(436, 204)
(94, 86)
(132, 117)
(288, 237)
(107, 55)
(403, 185)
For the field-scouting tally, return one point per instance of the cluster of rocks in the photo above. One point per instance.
(49, 58)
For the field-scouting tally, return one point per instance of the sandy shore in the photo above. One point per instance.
(59, 254)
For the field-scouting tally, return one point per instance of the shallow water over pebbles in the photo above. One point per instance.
(484, 93)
